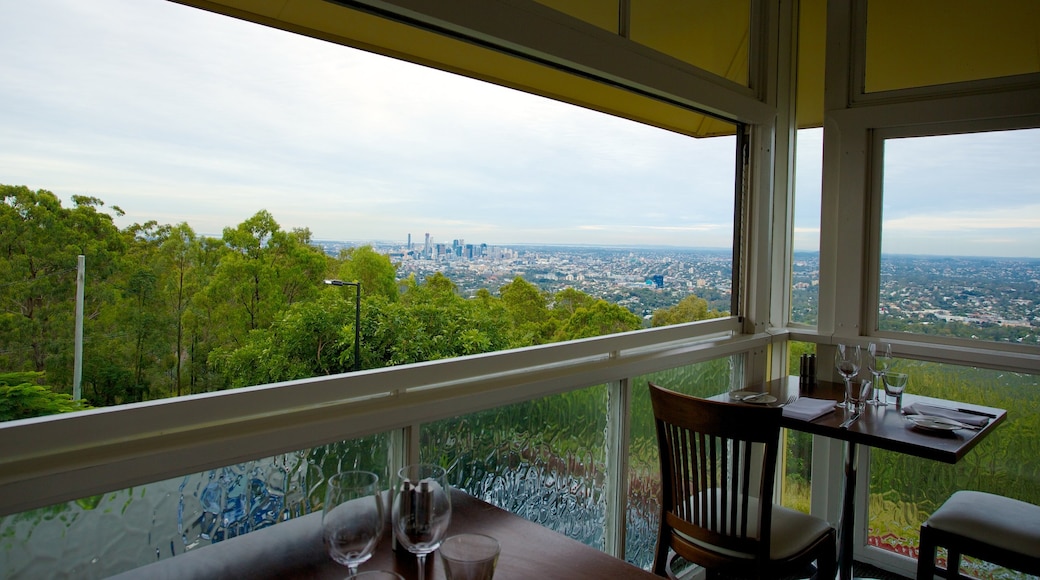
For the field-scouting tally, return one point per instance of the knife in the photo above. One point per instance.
(848, 422)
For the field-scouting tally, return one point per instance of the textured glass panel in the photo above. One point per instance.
(905, 490)
(544, 460)
(702, 380)
(931, 42)
(797, 455)
(99, 536)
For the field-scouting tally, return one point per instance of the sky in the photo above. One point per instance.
(177, 115)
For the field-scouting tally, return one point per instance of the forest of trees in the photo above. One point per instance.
(169, 312)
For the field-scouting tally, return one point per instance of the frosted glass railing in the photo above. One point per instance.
(103, 535)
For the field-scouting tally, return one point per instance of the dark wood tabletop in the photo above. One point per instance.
(293, 549)
(882, 427)
(528, 550)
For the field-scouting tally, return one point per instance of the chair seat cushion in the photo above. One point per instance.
(792, 532)
(990, 519)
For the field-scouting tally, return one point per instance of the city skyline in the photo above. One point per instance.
(106, 100)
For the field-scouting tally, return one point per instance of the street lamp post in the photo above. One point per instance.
(357, 318)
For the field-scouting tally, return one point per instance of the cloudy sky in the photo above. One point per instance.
(178, 115)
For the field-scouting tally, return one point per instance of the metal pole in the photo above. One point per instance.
(357, 318)
(357, 327)
(77, 369)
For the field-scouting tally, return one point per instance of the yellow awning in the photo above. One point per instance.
(909, 44)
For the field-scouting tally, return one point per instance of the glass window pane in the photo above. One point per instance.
(104, 535)
(931, 42)
(960, 237)
(905, 490)
(805, 264)
(231, 177)
(702, 380)
(544, 460)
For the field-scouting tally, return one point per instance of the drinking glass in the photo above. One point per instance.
(847, 361)
(895, 384)
(470, 557)
(352, 519)
(421, 510)
(878, 363)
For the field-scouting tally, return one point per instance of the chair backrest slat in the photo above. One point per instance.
(715, 458)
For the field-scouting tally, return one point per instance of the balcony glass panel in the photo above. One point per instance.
(701, 380)
(103, 535)
(544, 460)
(933, 42)
(905, 490)
(960, 237)
(797, 454)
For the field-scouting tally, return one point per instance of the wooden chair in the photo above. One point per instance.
(994, 528)
(718, 462)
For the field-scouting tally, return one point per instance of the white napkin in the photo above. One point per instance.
(932, 410)
(808, 409)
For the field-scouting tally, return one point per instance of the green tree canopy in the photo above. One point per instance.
(689, 309)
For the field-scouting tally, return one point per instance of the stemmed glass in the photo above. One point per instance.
(352, 519)
(878, 364)
(421, 510)
(847, 361)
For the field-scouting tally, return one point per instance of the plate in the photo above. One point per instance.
(753, 397)
(929, 423)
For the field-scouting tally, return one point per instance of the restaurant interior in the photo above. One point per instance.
(864, 72)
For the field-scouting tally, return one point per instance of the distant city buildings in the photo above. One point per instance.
(914, 289)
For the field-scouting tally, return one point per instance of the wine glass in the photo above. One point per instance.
(421, 510)
(352, 519)
(878, 363)
(847, 361)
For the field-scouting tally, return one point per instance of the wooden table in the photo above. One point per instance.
(293, 549)
(883, 427)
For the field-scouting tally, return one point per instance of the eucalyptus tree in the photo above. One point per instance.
(39, 244)
(690, 309)
(264, 271)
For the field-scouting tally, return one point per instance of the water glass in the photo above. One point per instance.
(895, 384)
(470, 557)
(378, 575)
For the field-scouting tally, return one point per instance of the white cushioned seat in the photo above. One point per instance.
(994, 528)
(793, 531)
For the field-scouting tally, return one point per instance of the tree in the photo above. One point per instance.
(312, 338)
(39, 244)
(264, 271)
(376, 273)
(689, 309)
(529, 313)
(20, 398)
(597, 319)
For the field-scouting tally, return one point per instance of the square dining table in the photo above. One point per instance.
(882, 427)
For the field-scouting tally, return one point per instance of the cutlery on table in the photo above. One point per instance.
(848, 422)
(753, 397)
